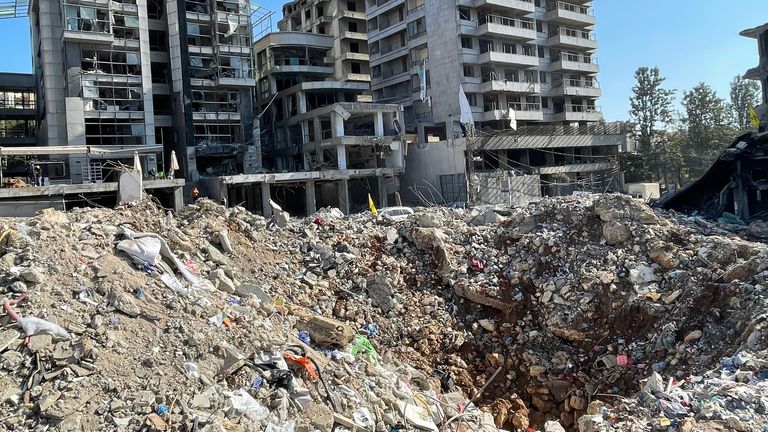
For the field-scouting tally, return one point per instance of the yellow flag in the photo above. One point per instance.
(372, 206)
(753, 118)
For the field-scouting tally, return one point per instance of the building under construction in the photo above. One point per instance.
(143, 74)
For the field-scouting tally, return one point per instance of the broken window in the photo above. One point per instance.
(464, 14)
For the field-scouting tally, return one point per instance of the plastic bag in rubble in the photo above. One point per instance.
(364, 418)
(37, 326)
(288, 426)
(361, 344)
(654, 384)
(246, 405)
(145, 249)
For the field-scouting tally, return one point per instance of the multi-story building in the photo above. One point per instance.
(760, 73)
(528, 60)
(528, 65)
(153, 76)
(316, 114)
(18, 118)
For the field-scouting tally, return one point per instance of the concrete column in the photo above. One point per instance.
(178, 198)
(343, 187)
(341, 155)
(318, 125)
(337, 125)
(146, 74)
(302, 101)
(311, 202)
(266, 208)
(378, 123)
(383, 202)
(305, 138)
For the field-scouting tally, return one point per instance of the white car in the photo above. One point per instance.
(396, 213)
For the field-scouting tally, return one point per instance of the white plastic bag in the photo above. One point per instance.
(37, 326)
(245, 404)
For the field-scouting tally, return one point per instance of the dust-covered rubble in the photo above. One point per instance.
(577, 313)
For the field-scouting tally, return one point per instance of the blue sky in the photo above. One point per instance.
(689, 40)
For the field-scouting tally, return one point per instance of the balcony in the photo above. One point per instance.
(572, 87)
(88, 30)
(494, 111)
(509, 86)
(298, 65)
(578, 113)
(575, 63)
(572, 38)
(355, 56)
(391, 78)
(353, 15)
(506, 26)
(525, 6)
(505, 58)
(570, 14)
(354, 35)
(527, 111)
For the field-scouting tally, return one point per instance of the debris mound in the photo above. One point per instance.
(592, 313)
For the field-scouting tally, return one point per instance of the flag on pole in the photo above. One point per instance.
(465, 112)
(753, 117)
(372, 206)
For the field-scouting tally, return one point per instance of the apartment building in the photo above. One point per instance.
(319, 128)
(149, 76)
(528, 60)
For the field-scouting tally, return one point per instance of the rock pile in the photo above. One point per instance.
(590, 313)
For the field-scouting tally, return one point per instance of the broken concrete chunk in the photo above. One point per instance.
(221, 281)
(328, 331)
(32, 275)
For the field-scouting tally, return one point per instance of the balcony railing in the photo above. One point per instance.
(575, 83)
(581, 108)
(17, 104)
(577, 58)
(570, 7)
(506, 21)
(87, 25)
(525, 106)
(417, 9)
(564, 31)
(384, 49)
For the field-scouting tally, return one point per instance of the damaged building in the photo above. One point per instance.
(737, 182)
(324, 140)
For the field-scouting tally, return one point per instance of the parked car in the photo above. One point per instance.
(396, 213)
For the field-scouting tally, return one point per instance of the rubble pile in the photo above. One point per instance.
(591, 313)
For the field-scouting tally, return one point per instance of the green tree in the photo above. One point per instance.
(651, 109)
(745, 94)
(707, 127)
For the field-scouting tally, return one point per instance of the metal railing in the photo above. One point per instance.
(575, 83)
(581, 108)
(416, 9)
(17, 104)
(564, 31)
(577, 58)
(525, 106)
(87, 25)
(506, 21)
(570, 7)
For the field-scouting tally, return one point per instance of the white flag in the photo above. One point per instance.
(512, 119)
(465, 110)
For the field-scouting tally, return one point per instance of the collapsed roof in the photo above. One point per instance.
(735, 183)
